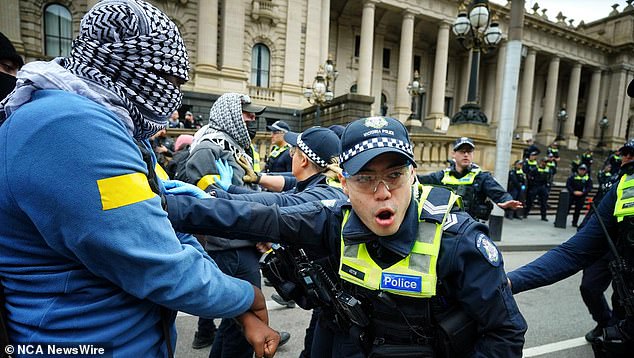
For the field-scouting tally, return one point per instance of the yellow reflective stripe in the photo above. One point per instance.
(465, 180)
(333, 183)
(124, 190)
(207, 180)
(160, 172)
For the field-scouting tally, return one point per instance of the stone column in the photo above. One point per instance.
(365, 48)
(437, 108)
(570, 140)
(291, 94)
(207, 43)
(325, 29)
(548, 134)
(313, 51)
(499, 79)
(618, 106)
(465, 78)
(403, 99)
(488, 88)
(91, 3)
(377, 78)
(592, 106)
(10, 20)
(235, 76)
(526, 97)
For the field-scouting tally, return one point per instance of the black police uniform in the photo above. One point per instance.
(586, 158)
(615, 162)
(279, 161)
(517, 189)
(538, 182)
(596, 278)
(473, 185)
(580, 183)
(470, 273)
(587, 246)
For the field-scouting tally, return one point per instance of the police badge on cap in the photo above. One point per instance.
(367, 138)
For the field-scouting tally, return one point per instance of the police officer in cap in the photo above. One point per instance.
(413, 274)
(279, 161)
(578, 185)
(469, 181)
(615, 213)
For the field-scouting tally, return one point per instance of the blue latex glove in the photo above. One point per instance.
(226, 174)
(176, 187)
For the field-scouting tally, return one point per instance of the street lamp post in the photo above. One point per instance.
(415, 89)
(603, 124)
(478, 32)
(321, 91)
(561, 116)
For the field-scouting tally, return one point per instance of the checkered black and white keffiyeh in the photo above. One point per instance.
(226, 116)
(128, 46)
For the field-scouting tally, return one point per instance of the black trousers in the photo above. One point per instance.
(540, 192)
(578, 202)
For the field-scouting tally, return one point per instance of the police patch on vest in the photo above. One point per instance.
(488, 250)
(396, 282)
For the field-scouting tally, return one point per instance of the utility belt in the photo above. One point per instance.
(296, 277)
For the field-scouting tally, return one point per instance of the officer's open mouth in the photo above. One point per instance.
(384, 214)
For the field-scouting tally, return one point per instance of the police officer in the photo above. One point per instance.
(553, 149)
(400, 256)
(278, 161)
(587, 159)
(314, 154)
(587, 246)
(578, 185)
(517, 187)
(469, 181)
(538, 181)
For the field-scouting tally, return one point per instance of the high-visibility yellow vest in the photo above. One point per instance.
(449, 179)
(414, 275)
(276, 151)
(256, 160)
(624, 198)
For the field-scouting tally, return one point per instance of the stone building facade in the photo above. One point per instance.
(273, 49)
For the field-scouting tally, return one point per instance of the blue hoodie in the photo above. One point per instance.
(87, 252)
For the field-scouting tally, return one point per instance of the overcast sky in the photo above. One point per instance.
(586, 10)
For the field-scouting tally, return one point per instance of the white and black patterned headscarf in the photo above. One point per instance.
(129, 46)
(226, 116)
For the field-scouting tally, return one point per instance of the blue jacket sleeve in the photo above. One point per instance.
(434, 178)
(493, 189)
(303, 225)
(286, 199)
(482, 291)
(106, 218)
(580, 251)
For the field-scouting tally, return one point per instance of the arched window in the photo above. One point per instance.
(57, 30)
(260, 65)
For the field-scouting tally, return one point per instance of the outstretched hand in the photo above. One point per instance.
(250, 176)
(176, 187)
(225, 171)
(511, 204)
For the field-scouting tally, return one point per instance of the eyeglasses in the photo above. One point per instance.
(393, 179)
